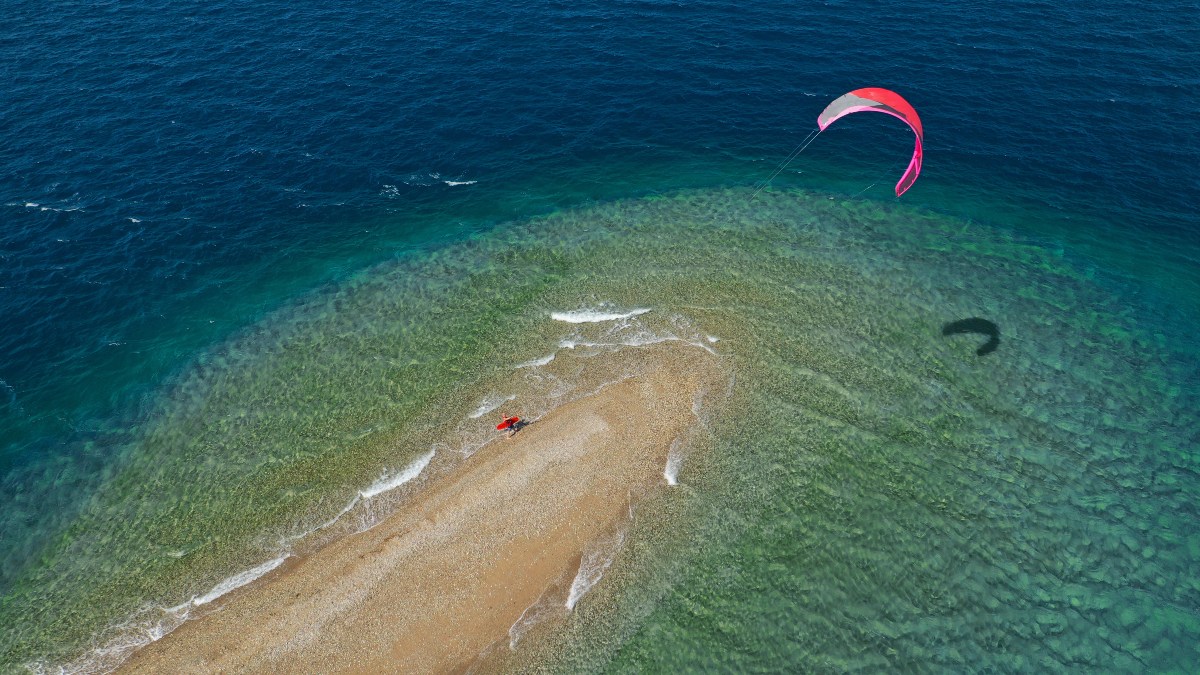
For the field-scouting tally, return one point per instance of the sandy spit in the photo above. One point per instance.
(438, 585)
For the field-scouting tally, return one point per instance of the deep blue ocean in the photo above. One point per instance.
(172, 174)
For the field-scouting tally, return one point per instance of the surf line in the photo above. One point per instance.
(812, 136)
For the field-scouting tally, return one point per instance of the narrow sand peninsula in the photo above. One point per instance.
(441, 582)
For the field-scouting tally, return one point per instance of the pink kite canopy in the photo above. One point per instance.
(885, 101)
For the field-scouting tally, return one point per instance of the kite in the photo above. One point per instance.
(873, 99)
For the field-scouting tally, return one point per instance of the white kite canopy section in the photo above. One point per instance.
(874, 99)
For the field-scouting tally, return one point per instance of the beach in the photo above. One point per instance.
(442, 582)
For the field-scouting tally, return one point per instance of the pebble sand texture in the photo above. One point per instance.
(436, 585)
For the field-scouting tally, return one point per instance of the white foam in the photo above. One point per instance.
(386, 482)
(712, 339)
(12, 397)
(533, 614)
(638, 340)
(674, 461)
(471, 448)
(353, 502)
(595, 315)
(416, 180)
(135, 634)
(383, 484)
(134, 220)
(107, 657)
(452, 183)
(32, 205)
(537, 362)
(491, 402)
(237, 581)
(591, 570)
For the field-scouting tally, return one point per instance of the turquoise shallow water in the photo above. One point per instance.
(879, 494)
(884, 498)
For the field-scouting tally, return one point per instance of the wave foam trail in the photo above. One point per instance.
(238, 580)
(109, 656)
(12, 398)
(490, 403)
(386, 483)
(674, 461)
(137, 634)
(537, 362)
(595, 315)
(452, 183)
(345, 509)
(533, 615)
(591, 570)
(641, 339)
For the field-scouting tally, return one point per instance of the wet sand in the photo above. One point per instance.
(439, 584)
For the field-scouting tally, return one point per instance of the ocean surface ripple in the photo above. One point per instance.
(186, 188)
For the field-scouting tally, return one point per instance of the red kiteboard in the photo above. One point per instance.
(507, 423)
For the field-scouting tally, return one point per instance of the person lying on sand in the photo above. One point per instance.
(511, 424)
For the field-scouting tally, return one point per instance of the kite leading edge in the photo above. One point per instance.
(874, 99)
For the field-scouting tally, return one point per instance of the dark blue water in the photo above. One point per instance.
(170, 172)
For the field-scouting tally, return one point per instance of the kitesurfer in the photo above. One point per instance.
(510, 424)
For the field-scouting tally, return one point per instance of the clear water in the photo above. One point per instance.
(883, 497)
(246, 276)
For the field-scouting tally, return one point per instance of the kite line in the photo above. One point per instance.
(812, 136)
(870, 99)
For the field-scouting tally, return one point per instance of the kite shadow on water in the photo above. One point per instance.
(976, 325)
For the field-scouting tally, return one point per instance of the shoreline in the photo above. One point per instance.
(471, 555)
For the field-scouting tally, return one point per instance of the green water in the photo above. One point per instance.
(878, 495)
(882, 497)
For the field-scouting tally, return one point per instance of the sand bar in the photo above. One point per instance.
(441, 582)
